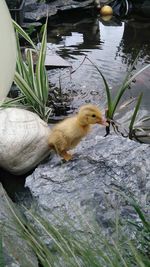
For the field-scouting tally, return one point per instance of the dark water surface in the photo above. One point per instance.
(112, 46)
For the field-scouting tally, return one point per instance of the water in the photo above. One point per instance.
(112, 46)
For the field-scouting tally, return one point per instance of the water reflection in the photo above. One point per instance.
(74, 40)
(91, 33)
(112, 46)
(83, 34)
(135, 39)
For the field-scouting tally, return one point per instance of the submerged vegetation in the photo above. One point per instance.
(128, 246)
(113, 103)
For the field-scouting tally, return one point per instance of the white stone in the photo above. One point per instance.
(23, 140)
(7, 51)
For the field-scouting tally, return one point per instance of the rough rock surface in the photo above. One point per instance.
(36, 11)
(15, 251)
(23, 140)
(91, 183)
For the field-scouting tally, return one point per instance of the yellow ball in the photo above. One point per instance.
(106, 18)
(106, 10)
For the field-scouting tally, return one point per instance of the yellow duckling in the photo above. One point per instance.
(68, 133)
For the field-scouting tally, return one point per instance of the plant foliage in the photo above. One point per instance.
(30, 77)
(112, 103)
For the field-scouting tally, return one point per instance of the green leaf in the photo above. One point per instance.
(23, 34)
(119, 95)
(30, 63)
(26, 89)
(33, 83)
(123, 88)
(136, 74)
(19, 65)
(13, 102)
(134, 115)
(137, 256)
(141, 216)
(40, 69)
(109, 99)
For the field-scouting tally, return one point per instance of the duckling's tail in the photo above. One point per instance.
(51, 146)
(54, 148)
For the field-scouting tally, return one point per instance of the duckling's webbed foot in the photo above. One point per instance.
(59, 142)
(66, 156)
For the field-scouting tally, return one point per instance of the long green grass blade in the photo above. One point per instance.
(26, 74)
(26, 90)
(53, 232)
(109, 99)
(19, 65)
(71, 249)
(136, 74)
(32, 82)
(13, 102)
(118, 252)
(119, 95)
(142, 216)
(147, 118)
(28, 233)
(48, 112)
(123, 88)
(30, 63)
(137, 256)
(23, 34)
(40, 68)
(135, 114)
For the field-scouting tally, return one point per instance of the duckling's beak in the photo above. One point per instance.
(103, 121)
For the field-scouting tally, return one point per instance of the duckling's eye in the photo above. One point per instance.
(93, 115)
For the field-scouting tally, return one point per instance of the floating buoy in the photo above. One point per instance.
(106, 18)
(106, 10)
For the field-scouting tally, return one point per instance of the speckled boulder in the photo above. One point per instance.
(93, 182)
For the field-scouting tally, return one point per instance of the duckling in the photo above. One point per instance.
(67, 134)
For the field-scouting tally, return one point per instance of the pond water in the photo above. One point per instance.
(112, 46)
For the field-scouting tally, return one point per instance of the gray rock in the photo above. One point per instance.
(91, 185)
(15, 251)
(36, 11)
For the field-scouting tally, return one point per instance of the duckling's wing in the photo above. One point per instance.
(58, 141)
